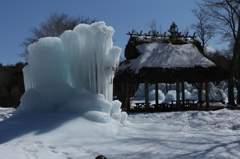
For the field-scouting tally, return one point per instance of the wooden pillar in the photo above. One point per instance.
(178, 95)
(156, 93)
(123, 88)
(231, 100)
(128, 97)
(207, 95)
(200, 99)
(146, 95)
(183, 94)
(166, 88)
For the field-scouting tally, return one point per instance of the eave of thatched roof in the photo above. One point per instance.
(171, 75)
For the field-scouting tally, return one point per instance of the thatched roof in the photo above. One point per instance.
(166, 63)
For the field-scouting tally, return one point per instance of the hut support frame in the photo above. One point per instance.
(183, 93)
(156, 93)
(207, 95)
(128, 97)
(178, 95)
(146, 95)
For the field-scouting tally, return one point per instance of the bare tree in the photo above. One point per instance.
(225, 14)
(153, 26)
(53, 26)
(203, 27)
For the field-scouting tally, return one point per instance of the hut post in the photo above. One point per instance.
(207, 95)
(156, 94)
(166, 88)
(123, 88)
(146, 95)
(178, 94)
(231, 100)
(183, 94)
(200, 94)
(128, 97)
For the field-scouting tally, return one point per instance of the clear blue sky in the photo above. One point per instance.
(18, 16)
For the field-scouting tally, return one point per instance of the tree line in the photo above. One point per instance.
(222, 17)
(11, 84)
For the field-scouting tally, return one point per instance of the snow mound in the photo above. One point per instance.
(6, 113)
(64, 98)
(60, 125)
(170, 96)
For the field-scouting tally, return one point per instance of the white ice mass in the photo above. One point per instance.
(73, 73)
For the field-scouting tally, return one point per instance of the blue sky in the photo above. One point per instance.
(18, 16)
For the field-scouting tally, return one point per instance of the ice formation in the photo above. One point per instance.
(216, 93)
(83, 58)
(74, 72)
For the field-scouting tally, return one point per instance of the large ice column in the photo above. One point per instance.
(73, 55)
(111, 64)
(46, 64)
(92, 57)
(83, 58)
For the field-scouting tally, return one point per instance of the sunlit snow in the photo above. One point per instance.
(182, 135)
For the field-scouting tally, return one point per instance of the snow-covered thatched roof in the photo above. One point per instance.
(165, 62)
(167, 56)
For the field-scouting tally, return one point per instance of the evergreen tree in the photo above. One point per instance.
(174, 30)
(175, 36)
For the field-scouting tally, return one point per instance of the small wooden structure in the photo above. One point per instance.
(153, 70)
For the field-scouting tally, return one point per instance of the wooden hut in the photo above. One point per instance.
(153, 59)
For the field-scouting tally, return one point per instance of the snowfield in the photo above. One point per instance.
(182, 135)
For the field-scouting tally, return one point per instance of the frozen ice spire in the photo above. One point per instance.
(83, 58)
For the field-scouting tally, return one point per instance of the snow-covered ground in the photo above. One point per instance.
(182, 135)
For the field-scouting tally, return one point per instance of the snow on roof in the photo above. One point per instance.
(166, 55)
